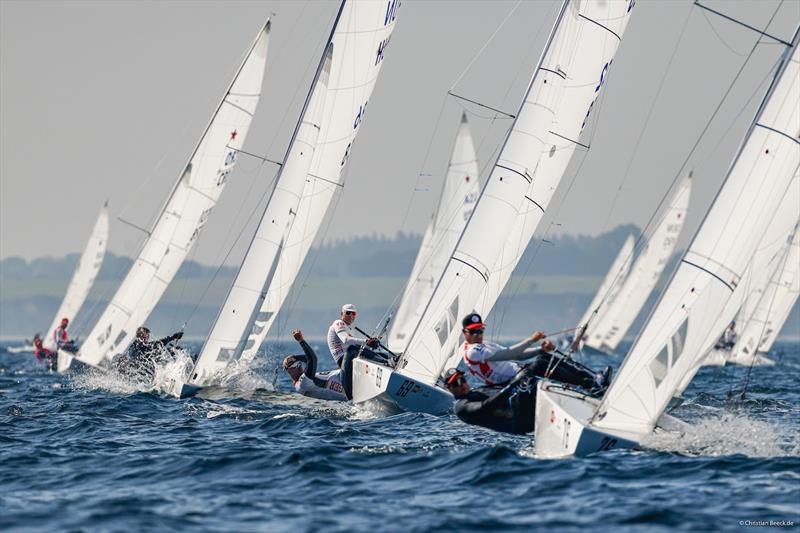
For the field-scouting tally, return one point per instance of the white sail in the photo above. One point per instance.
(573, 68)
(229, 332)
(609, 290)
(184, 214)
(755, 319)
(775, 304)
(83, 277)
(615, 321)
(459, 193)
(767, 261)
(360, 41)
(697, 303)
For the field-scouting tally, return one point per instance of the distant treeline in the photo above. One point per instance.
(359, 257)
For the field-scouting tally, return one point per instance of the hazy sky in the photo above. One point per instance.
(107, 99)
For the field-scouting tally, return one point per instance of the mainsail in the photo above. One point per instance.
(186, 211)
(83, 278)
(459, 193)
(698, 302)
(777, 299)
(311, 174)
(559, 100)
(615, 321)
(609, 290)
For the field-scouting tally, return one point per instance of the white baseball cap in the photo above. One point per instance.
(349, 307)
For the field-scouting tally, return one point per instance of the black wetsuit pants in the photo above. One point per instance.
(560, 369)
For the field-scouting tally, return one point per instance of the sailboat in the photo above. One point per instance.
(768, 264)
(607, 294)
(459, 193)
(79, 285)
(700, 299)
(310, 175)
(772, 310)
(557, 104)
(184, 213)
(614, 321)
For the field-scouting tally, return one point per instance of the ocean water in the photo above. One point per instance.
(88, 453)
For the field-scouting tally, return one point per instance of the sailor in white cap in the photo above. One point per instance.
(340, 334)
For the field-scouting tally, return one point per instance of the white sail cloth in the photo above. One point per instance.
(609, 290)
(558, 102)
(184, 214)
(697, 303)
(358, 42)
(615, 321)
(83, 277)
(459, 193)
(773, 308)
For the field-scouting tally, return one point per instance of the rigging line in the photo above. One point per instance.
(490, 108)
(299, 86)
(221, 263)
(760, 32)
(724, 43)
(263, 159)
(635, 151)
(424, 162)
(776, 274)
(642, 238)
(485, 45)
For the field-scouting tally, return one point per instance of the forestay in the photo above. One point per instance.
(83, 278)
(775, 304)
(229, 332)
(607, 293)
(697, 303)
(557, 104)
(459, 193)
(615, 321)
(358, 42)
(186, 211)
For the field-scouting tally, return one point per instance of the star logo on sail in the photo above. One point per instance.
(233, 134)
(466, 178)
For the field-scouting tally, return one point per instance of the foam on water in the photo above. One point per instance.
(731, 433)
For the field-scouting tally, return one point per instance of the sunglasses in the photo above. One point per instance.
(350, 313)
(474, 331)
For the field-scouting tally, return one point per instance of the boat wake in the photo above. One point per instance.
(730, 433)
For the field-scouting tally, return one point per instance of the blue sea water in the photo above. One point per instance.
(83, 453)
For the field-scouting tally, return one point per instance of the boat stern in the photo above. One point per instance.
(381, 389)
(562, 424)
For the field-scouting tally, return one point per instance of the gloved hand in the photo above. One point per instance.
(177, 336)
(372, 343)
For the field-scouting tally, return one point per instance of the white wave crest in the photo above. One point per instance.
(730, 433)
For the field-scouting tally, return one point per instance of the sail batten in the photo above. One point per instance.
(353, 59)
(459, 193)
(616, 320)
(184, 213)
(528, 168)
(698, 302)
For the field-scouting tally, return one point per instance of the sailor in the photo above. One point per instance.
(61, 337)
(43, 355)
(728, 339)
(494, 365)
(510, 409)
(305, 378)
(141, 358)
(340, 335)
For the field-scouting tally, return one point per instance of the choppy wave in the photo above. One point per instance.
(96, 452)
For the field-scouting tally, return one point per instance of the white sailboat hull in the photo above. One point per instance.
(756, 359)
(20, 349)
(64, 361)
(562, 425)
(384, 391)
